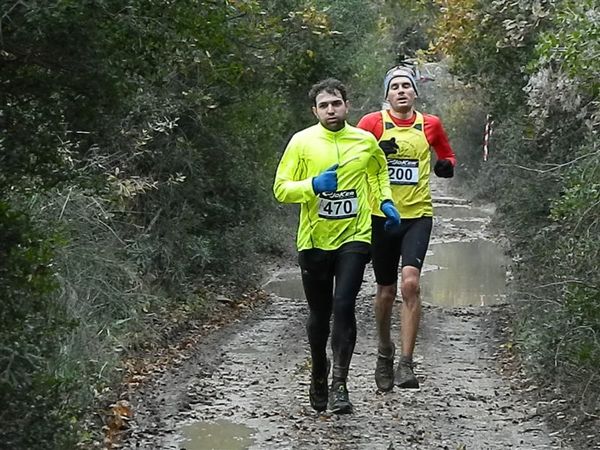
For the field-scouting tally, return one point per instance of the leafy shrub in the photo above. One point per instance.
(543, 168)
(36, 412)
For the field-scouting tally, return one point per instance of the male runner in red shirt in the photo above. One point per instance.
(406, 136)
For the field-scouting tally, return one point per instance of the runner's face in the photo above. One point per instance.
(331, 110)
(401, 95)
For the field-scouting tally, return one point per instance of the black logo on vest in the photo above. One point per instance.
(339, 195)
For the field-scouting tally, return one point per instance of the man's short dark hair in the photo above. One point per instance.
(329, 85)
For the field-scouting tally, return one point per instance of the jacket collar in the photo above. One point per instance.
(333, 134)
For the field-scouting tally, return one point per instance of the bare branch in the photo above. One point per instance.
(4, 16)
(583, 397)
(555, 167)
(558, 283)
(585, 213)
(62, 211)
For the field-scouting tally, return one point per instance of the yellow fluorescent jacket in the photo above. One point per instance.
(409, 169)
(362, 172)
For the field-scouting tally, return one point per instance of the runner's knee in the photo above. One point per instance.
(410, 289)
(343, 311)
(317, 326)
(386, 294)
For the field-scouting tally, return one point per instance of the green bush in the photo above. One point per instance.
(36, 411)
(543, 169)
(146, 135)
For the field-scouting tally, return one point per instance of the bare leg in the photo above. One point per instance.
(384, 303)
(411, 309)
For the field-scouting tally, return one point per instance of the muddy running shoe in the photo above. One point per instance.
(339, 402)
(405, 377)
(384, 370)
(318, 392)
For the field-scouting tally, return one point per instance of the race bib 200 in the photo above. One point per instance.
(403, 171)
(338, 205)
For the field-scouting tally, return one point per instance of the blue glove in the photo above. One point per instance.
(392, 214)
(326, 181)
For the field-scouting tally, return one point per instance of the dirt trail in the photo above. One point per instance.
(245, 386)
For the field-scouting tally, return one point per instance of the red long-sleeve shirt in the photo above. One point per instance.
(433, 129)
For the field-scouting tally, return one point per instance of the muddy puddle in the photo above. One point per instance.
(287, 285)
(464, 274)
(455, 274)
(216, 435)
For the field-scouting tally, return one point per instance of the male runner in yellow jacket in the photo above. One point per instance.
(330, 169)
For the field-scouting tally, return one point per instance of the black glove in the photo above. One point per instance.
(389, 147)
(443, 168)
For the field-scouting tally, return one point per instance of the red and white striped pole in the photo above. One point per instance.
(486, 136)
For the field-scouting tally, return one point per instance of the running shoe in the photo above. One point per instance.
(339, 401)
(384, 370)
(318, 392)
(405, 377)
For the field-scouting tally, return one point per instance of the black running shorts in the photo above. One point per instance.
(410, 241)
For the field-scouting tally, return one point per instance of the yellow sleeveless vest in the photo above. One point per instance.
(409, 168)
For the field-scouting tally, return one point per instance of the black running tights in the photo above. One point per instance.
(331, 281)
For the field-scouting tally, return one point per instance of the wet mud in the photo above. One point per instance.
(245, 386)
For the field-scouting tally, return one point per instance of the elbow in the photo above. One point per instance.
(279, 192)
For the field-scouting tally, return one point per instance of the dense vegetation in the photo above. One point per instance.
(535, 67)
(138, 140)
(137, 149)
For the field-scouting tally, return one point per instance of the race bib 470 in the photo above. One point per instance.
(403, 171)
(338, 205)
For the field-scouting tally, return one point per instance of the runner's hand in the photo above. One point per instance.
(443, 168)
(389, 147)
(326, 181)
(392, 214)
